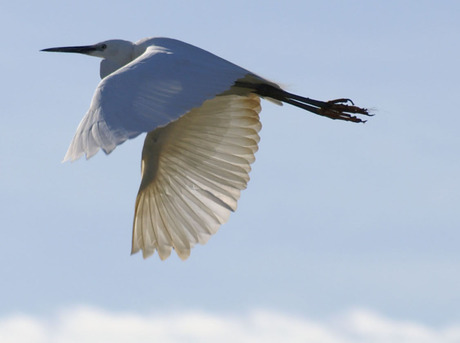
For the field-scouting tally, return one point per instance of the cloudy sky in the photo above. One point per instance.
(346, 233)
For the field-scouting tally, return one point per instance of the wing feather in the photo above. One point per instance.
(201, 181)
(193, 171)
(162, 84)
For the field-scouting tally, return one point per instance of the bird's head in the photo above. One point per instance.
(115, 53)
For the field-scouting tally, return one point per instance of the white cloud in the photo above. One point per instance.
(91, 325)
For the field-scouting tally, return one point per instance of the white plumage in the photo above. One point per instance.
(201, 116)
(192, 173)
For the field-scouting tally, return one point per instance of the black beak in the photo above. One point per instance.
(85, 49)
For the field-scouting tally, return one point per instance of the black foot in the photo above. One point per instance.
(339, 109)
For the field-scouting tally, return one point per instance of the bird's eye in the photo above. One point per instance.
(103, 46)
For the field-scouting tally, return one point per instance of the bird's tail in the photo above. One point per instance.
(342, 109)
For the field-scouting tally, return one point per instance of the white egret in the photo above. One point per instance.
(201, 116)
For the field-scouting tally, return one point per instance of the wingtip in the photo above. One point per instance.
(183, 255)
(69, 159)
(66, 159)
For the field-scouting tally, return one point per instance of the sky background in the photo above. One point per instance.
(341, 223)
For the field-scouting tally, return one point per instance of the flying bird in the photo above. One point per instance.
(201, 116)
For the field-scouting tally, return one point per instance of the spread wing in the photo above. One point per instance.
(158, 87)
(192, 173)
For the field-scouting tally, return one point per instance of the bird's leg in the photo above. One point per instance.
(335, 109)
(341, 109)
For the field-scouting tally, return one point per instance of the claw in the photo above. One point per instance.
(338, 109)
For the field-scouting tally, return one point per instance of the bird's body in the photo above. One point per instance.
(201, 116)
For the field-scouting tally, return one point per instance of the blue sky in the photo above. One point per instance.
(337, 216)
